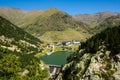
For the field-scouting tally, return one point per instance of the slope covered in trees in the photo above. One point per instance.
(110, 36)
(14, 38)
(19, 66)
(97, 59)
(17, 54)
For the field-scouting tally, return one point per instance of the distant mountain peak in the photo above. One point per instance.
(50, 12)
(107, 13)
(55, 9)
(8, 8)
(95, 19)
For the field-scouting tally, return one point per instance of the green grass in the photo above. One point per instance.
(58, 48)
(68, 34)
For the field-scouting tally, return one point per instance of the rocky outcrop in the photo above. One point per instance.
(116, 75)
(99, 66)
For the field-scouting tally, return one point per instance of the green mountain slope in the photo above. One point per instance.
(54, 20)
(97, 59)
(108, 22)
(19, 17)
(66, 35)
(15, 38)
(17, 54)
(39, 22)
(94, 19)
(11, 14)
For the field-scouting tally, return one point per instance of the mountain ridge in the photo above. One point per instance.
(39, 23)
(52, 19)
(94, 19)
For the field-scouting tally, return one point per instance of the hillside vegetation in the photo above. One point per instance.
(14, 38)
(18, 16)
(95, 19)
(108, 22)
(66, 35)
(55, 20)
(39, 22)
(17, 54)
(97, 59)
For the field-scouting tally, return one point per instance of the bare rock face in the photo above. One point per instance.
(99, 66)
(116, 75)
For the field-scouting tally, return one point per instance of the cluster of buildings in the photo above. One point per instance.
(69, 43)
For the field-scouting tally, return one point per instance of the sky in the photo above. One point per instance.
(70, 6)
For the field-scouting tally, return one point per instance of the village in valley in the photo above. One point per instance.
(69, 46)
